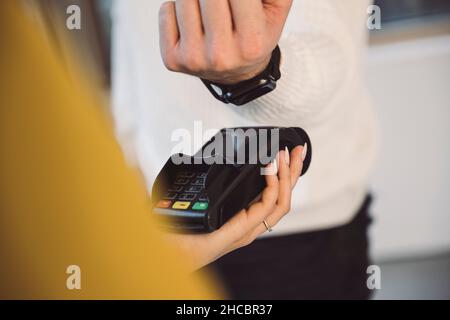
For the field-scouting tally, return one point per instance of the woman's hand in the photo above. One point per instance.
(248, 224)
(225, 41)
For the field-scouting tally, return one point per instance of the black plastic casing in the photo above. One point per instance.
(230, 185)
(246, 91)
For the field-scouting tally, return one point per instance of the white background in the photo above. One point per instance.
(409, 82)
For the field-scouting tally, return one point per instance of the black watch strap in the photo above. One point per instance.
(251, 89)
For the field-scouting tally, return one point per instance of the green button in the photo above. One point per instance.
(200, 206)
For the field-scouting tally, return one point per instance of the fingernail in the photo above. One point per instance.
(287, 157)
(305, 151)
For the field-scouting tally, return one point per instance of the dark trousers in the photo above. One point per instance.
(325, 264)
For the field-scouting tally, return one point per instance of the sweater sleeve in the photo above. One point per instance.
(317, 61)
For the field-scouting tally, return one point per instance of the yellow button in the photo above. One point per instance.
(183, 205)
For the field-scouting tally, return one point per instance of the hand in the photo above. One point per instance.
(224, 41)
(247, 224)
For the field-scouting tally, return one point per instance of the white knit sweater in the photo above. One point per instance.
(322, 90)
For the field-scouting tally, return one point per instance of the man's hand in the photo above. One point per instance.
(224, 41)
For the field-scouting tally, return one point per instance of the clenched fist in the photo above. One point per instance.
(224, 41)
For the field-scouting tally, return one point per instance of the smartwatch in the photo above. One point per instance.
(251, 89)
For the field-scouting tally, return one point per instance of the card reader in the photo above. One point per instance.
(199, 193)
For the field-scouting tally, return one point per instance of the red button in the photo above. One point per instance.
(163, 204)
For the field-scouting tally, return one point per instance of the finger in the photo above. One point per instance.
(217, 20)
(277, 10)
(284, 175)
(245, 221)
(296, 164)
(276, 13)
(238, 230)
(281, 4)
(270, 192)
(189, 21)
(284, 196)
(260, 210)
(283, 200)
(272, 220)
(248, 17)
(168, 33)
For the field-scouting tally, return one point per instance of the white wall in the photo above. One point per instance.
(410, 84)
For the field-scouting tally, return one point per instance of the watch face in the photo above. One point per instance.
(249, 90)
(254, 94)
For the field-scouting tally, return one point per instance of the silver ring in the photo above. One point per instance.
(268, 227)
